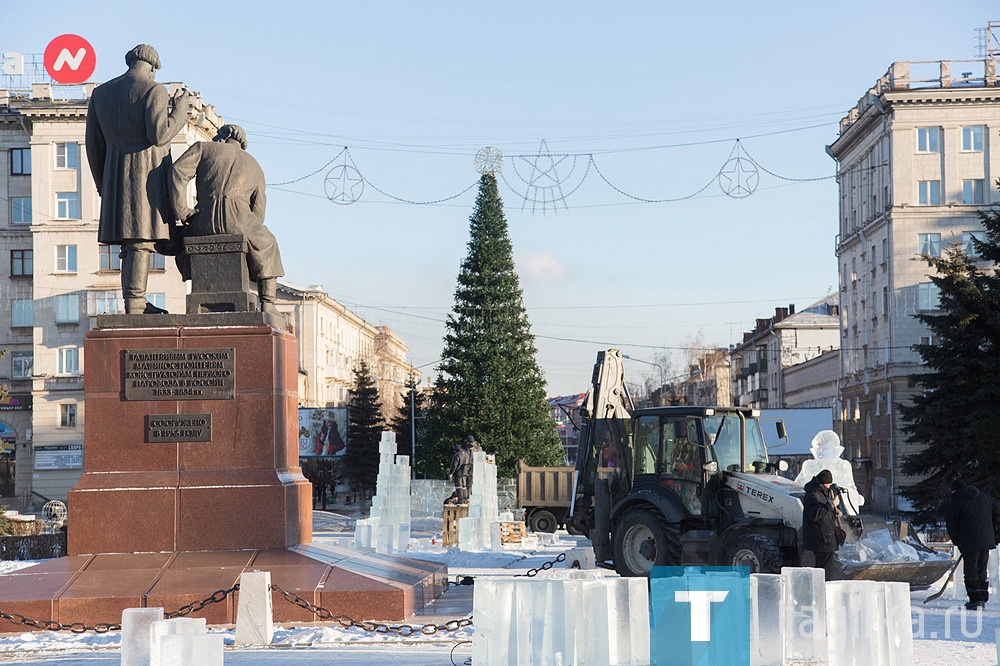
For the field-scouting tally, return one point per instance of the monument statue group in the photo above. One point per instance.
(144, 196)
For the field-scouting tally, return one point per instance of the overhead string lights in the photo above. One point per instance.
(544, 181)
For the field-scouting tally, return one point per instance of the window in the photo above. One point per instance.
(929, 192)
(67, 415)
(972, 138)
(67, 156)
(157, 299)
(885, 300)
(67, 205)
(927, 139)
(21, 263)
(20, 364)
(20, 161)
(929, 244)
(973, 192)
(22, 312)
(67, 308)
(968, 245)
(110, 259)
(105, 302)
(66, 258)
(20, 210)
(928, 296)
(68, 361)
(885, 251)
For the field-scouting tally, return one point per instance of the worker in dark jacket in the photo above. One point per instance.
(970, 517)
(821, 521)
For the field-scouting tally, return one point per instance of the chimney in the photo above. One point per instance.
(791, 309)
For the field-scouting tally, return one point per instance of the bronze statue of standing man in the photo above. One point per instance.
(129, 130)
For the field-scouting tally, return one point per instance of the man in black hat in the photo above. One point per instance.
(970, 517)
(821, 521)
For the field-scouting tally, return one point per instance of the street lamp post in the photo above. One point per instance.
(663, 380)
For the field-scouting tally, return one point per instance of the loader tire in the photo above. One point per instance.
(755, 551)
(642, 539)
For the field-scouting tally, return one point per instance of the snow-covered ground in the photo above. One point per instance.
(943, 633)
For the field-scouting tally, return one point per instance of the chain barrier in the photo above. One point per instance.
(347, 621)
(214, 598)
(105, 627)
(545, 567)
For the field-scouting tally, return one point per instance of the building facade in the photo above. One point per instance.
(332, 340)
(57, 278)
(915, 167)
(789, 338)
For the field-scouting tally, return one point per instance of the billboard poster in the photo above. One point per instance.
(322, 432)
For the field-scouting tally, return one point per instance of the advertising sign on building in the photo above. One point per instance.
(62, 456)
(16, 402)
(322, 432)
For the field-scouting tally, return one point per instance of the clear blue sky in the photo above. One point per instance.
(657, 92)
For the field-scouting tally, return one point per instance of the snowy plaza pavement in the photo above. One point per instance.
(943, 632)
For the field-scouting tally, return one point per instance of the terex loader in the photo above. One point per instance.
(693, 486)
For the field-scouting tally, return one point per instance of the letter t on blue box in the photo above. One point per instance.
(701, 616)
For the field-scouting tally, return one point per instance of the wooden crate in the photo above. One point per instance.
(511, 532)
(452, 512)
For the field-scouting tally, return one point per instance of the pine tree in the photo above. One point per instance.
(365, 424)
(401, 422)
(954, 418)
(489, 384)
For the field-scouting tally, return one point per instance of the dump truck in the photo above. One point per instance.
(545, 494)
(692, 485)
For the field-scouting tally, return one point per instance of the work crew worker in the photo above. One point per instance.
(821, 521)
(970, 516)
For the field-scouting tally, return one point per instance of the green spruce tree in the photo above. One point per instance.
(489, 384)
(954, 417)
(365, 424)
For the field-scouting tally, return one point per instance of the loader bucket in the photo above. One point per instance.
(874, 551)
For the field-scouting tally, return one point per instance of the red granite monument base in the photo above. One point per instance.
(239, 487)
(191, 477)
(96, 589)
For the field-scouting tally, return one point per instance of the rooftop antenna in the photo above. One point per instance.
(988, 40)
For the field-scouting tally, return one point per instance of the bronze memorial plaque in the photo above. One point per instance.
(178, 428)
(180, 374)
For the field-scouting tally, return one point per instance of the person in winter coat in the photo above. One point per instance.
(129, 129)
(821, 521)
(970, 516)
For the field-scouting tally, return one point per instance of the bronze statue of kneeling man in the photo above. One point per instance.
(229, 186)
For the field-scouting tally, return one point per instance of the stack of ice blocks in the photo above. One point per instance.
(387, 529)
(868, 623)
(475, 531)
(561, 618)
(797, 617)
(149, 640)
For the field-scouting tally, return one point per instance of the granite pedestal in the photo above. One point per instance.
(191, 477)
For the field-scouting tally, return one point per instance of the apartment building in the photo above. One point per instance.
(332, 340)
(56, 277)
(915, 167)
(777, 343)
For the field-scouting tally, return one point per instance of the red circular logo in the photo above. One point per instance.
(70, 59)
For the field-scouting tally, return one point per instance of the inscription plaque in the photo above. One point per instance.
(178, 428)
(180, 374)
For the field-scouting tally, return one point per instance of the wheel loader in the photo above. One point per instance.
(694, 486)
